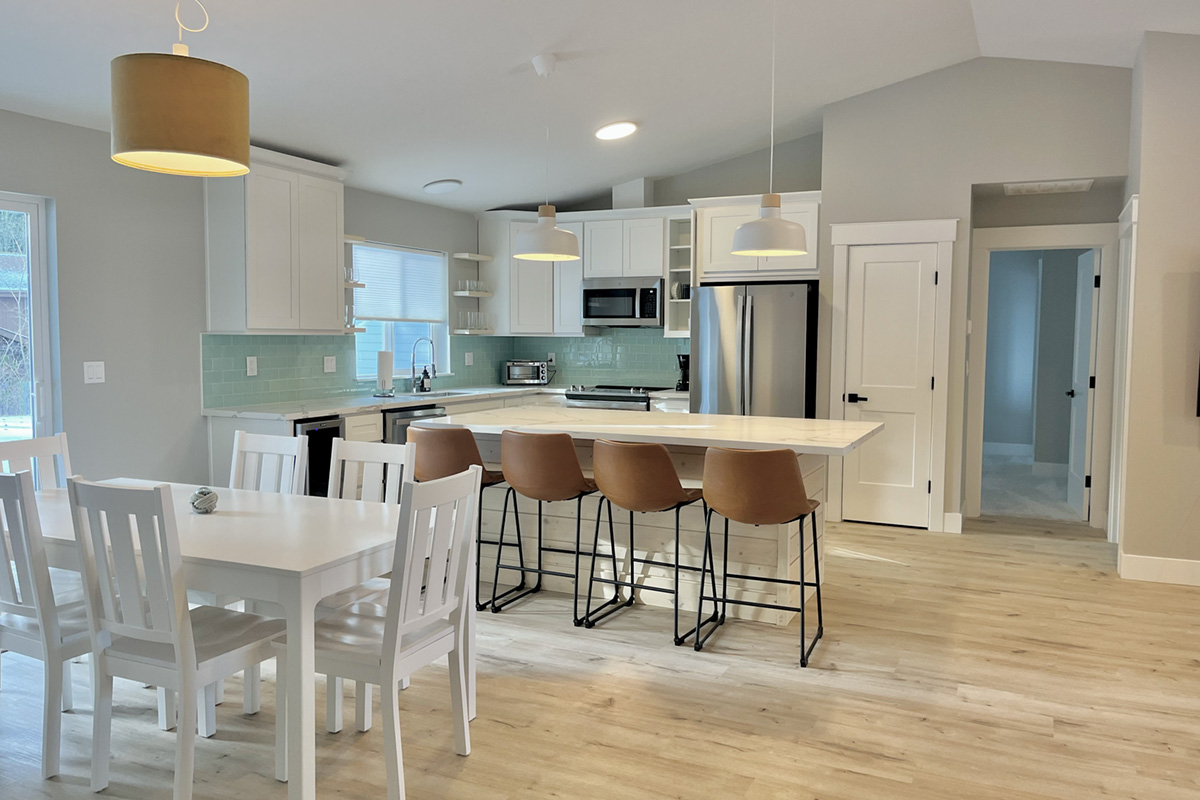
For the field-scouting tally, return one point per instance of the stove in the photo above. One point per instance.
(629, 398)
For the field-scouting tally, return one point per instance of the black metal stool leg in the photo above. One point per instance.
(537, 584)
(612, 542)
(724, 572)
(708, 563)
(803, 626)
(575, 618)
(817, 575)
(592, 616)
(479, 555)
(510, 596)
(675, 596)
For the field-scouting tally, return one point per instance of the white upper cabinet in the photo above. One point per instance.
(603, 248)
(616, 248)
(531, 287)
(275, 251)
(645, 247)
(568, 290)
(716, 221)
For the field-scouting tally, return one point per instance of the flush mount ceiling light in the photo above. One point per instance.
(444, 186)
(1049, 187)
(616, 130)
(545, 241)
(180, 115)
(770, 234)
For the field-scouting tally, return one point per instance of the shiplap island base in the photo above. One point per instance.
(766, 551)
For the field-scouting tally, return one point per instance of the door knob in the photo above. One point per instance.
(856, 398)
(1071, 393)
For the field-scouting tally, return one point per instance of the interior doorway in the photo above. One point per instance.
(1040, 350)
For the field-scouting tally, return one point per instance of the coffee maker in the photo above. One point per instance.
(682, 385)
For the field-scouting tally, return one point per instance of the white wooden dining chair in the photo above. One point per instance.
(47, 457)
(261, 463)
(426, 616)
(374, 472)
(267, 463)
(31, 622)
(140, 625)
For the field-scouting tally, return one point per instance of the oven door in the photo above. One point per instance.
(614, 405)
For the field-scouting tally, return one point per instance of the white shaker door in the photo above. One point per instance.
(1080, 457)
(889, 372)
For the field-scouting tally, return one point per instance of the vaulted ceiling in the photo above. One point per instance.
(404, 93)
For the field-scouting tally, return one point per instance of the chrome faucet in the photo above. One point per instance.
(416, 380)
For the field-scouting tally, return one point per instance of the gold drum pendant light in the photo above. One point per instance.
(770, 234)
(180, 115)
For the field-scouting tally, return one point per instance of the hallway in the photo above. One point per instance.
(1011, 489)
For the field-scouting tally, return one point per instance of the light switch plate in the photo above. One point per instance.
(93, 372)
(470, 359)
(251, 366)
(331, 363)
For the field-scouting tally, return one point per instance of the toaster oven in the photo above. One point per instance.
(523, 373)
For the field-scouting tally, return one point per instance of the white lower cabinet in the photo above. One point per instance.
(364, 427)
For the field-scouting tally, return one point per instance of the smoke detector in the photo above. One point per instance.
(1048, 187)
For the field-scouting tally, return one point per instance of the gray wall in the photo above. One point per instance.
(1162, 514)
(130, 273)
(1102, 204)
(913, 150)
(797, 169)
(1011, 348)
(1055, 355)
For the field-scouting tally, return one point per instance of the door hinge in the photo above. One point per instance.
(931, 380)
(1092, 382)
(935, 277)
(930, 488)
(1087, 481)
(1097, 283)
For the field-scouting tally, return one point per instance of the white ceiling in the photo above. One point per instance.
(403, 93)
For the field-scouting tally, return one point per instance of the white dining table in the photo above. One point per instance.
(291, 550)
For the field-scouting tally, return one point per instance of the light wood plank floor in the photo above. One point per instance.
(1008, 662)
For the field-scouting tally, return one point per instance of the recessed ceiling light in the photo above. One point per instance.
(443, 186)
(616, 130)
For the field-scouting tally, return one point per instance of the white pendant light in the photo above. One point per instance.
(546, 241)
(180, 115)
(770, 234)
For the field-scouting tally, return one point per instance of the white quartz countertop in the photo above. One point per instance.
(343, 406)
(818, 436)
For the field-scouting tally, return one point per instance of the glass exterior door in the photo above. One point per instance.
(24, 324)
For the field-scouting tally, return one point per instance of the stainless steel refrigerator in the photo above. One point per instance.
(753, 350)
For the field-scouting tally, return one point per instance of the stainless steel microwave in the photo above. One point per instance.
(623, 302)
(519, 373)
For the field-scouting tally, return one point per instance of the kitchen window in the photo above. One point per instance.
(25, 371)
(403, 300)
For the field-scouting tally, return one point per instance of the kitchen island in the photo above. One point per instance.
(767, 551)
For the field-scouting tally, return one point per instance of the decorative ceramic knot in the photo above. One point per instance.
(204, 500)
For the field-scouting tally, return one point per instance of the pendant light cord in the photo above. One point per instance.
(771, 168)
(547, 178)
(183, 27)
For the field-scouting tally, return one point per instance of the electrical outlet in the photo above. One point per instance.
(470, 359)
(331, 363)
(550, 358)
(251, 366)
(93, 372)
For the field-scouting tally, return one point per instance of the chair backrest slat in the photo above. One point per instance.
(370, 471)
(47, 457)
(25, 589)
(267, 463)
(132, 567)
(437, 527)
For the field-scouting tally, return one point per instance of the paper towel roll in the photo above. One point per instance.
(384, 370)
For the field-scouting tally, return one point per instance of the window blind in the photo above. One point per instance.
(402, 285)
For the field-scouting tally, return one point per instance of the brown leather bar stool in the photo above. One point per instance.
(638, 478)
(442, 452)
(542, 467)
(756, 487)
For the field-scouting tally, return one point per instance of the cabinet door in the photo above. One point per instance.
(603, 249)
(645, 247)
(568, 291)
(531, 291)
(714, 240)
(272, 244)
(322, 255)
(806, 215)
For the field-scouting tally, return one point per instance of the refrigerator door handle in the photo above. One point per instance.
(748, 355)
(740, 369)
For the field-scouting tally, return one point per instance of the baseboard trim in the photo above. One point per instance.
(952, 523)
(1159, 570)
(1049, 469)
(1008, 449)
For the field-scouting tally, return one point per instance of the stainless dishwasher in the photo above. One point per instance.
(396, 421)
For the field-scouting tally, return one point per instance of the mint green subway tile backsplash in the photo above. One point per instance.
(291, 368)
